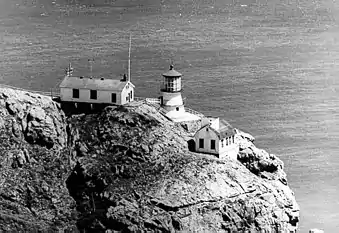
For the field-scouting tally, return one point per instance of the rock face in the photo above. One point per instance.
(128, 169)
(33, 195)
(33, 118)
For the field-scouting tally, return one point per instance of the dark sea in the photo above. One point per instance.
(271, 68)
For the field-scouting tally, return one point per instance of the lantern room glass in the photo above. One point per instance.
(172, 84)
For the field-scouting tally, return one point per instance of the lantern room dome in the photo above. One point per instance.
(172, 73)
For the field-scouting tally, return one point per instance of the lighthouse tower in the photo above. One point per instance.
(171, 99)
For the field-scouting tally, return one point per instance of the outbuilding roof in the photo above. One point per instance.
(172, 73)
(225, 129)
(93, 83)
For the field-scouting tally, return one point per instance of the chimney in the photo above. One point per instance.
(213, 121)
(124, 78)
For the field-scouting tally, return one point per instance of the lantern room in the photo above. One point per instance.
(172, 81)
(171, 98)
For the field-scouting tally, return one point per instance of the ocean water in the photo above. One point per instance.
(268, 67)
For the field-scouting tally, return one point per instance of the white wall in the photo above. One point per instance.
(124, 94)
(174, 108)
(66, 94)
(207, 136)
(231, 150)
(172, 99)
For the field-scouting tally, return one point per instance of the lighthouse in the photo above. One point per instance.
(171, 99)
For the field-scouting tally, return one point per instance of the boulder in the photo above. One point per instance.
(35, 117)
(36, 113)
(259, 161)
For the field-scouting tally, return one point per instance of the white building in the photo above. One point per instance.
(216, 137)
(171, 99)
(96, 91)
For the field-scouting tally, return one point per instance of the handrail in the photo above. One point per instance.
(148, 100)
(51, 93)
(139, 99)
(194, 112)
(153, 100)
(160, 109)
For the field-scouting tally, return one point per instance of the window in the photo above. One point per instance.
(222, 142)
(132, 95)
(233, 138)
(212, 144)
(114, 97)
(226, 141)
(175, 84)
(201, 143)
(169, 84)
(93, 95)
(177, 108)
(75, 93)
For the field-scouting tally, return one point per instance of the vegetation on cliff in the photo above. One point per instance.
(128, 169)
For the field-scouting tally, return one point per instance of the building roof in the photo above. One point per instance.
(225, 129)
(172, 73)
(93, 83)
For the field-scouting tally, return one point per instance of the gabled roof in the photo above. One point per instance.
(225, 129)
(93, 84)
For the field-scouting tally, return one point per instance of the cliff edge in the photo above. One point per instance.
(128, 169)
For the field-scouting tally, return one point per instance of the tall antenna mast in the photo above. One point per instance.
(171, 58)
(129, 58)
(91, 66)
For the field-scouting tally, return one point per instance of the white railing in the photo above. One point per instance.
(51, 93)
(148, 100)
(194, 112)
(160, 109)
(141, 99)
(153, 100)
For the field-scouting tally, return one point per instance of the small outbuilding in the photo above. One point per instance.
(216, 137)
(96, 91)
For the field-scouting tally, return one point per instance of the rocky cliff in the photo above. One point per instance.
(128, 169)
